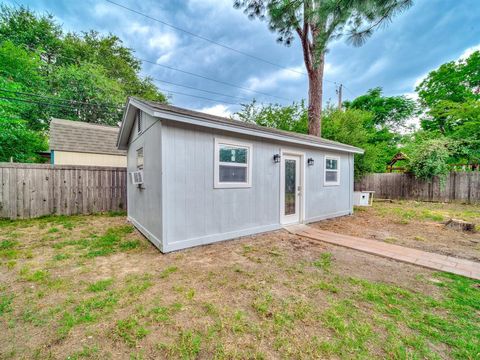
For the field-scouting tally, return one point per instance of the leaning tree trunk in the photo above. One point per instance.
(315, 94)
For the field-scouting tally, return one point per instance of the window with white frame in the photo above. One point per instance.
(233, 163)
(332, 172)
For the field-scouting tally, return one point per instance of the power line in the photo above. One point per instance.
(213, 41)
(205, 38)
(351, 93)
(36, 102)
(188, 73)
(211, 79)
(198, 89)
(199, 97)
(60, 99)
(83, 103)
(199, 76)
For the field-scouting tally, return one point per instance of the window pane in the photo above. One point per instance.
(332, 164)
(140, 158)
(290, 184)
(236, 174)
(233, 154)
(331, 176)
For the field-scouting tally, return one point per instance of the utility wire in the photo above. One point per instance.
(211, 79)
(36, 102)
(213, 41)
(99, 105)
(199, 97)
(188, 73)
(205, 38)
(60, 99)
(198, 89)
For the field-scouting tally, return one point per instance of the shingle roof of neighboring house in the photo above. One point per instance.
(161, 110)
(78, 136)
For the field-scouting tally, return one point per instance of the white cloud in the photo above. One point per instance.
(164, 41)
(330, 69)
(469, 51)
(218, 110)
(272, 80)
(419, 79)
(411, 95)
(136, 28)
(165, 58)
(101, 9)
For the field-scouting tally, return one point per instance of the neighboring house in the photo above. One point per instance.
(80, 143)
(207, 178)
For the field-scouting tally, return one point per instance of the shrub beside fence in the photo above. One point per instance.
(33, 190)
(459, 186)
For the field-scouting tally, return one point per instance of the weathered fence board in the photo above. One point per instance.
(458, 186)
(33, 190)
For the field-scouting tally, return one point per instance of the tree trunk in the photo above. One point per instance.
(315, 94)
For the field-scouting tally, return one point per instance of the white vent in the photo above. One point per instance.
(137, 177)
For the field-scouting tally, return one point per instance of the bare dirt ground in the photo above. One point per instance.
(413, 224)
(91, 287)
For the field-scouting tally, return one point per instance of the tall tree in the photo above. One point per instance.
(449, 93)
(317, 22)
(392, 112)
(456, 81)
(83, 76)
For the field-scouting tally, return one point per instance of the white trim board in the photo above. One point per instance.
(210, 239)
(152, 238)
(301, 155)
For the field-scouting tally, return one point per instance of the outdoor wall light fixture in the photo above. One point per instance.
(276, 158)
(310, 161)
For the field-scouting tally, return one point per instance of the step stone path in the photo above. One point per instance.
(426, 259)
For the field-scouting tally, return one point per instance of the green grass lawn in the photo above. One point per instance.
(90, 287)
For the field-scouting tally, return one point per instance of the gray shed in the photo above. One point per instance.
(208, 178)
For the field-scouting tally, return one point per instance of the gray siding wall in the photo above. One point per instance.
(322, 201)
(145, 204)
(195, 213)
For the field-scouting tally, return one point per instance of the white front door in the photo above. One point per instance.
(291, 189)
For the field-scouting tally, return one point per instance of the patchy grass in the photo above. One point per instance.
(87, 311)
(324, 262)
(100, 285)
(6, 300)
(166, 272)
(131, 331)
(82, 294)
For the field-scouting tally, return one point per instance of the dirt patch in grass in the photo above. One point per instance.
(273, 295)
(414, 224)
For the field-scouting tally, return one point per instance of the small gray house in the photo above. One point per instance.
(206, 178)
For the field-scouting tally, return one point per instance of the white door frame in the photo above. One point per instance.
(301, 207)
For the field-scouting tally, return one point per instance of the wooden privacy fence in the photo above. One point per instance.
(32, 190)
(458, 186)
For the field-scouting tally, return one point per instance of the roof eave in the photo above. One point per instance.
(128, 119)
(168, 115)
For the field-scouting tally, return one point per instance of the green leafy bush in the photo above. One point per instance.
(430, 159)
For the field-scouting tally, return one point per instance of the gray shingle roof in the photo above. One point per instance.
(241, 124)
(78, 136)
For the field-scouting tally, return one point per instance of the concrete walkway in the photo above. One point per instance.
(429, 260)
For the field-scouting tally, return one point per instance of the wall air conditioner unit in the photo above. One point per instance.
(137, 177)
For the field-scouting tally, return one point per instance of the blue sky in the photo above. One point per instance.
(396, 57)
